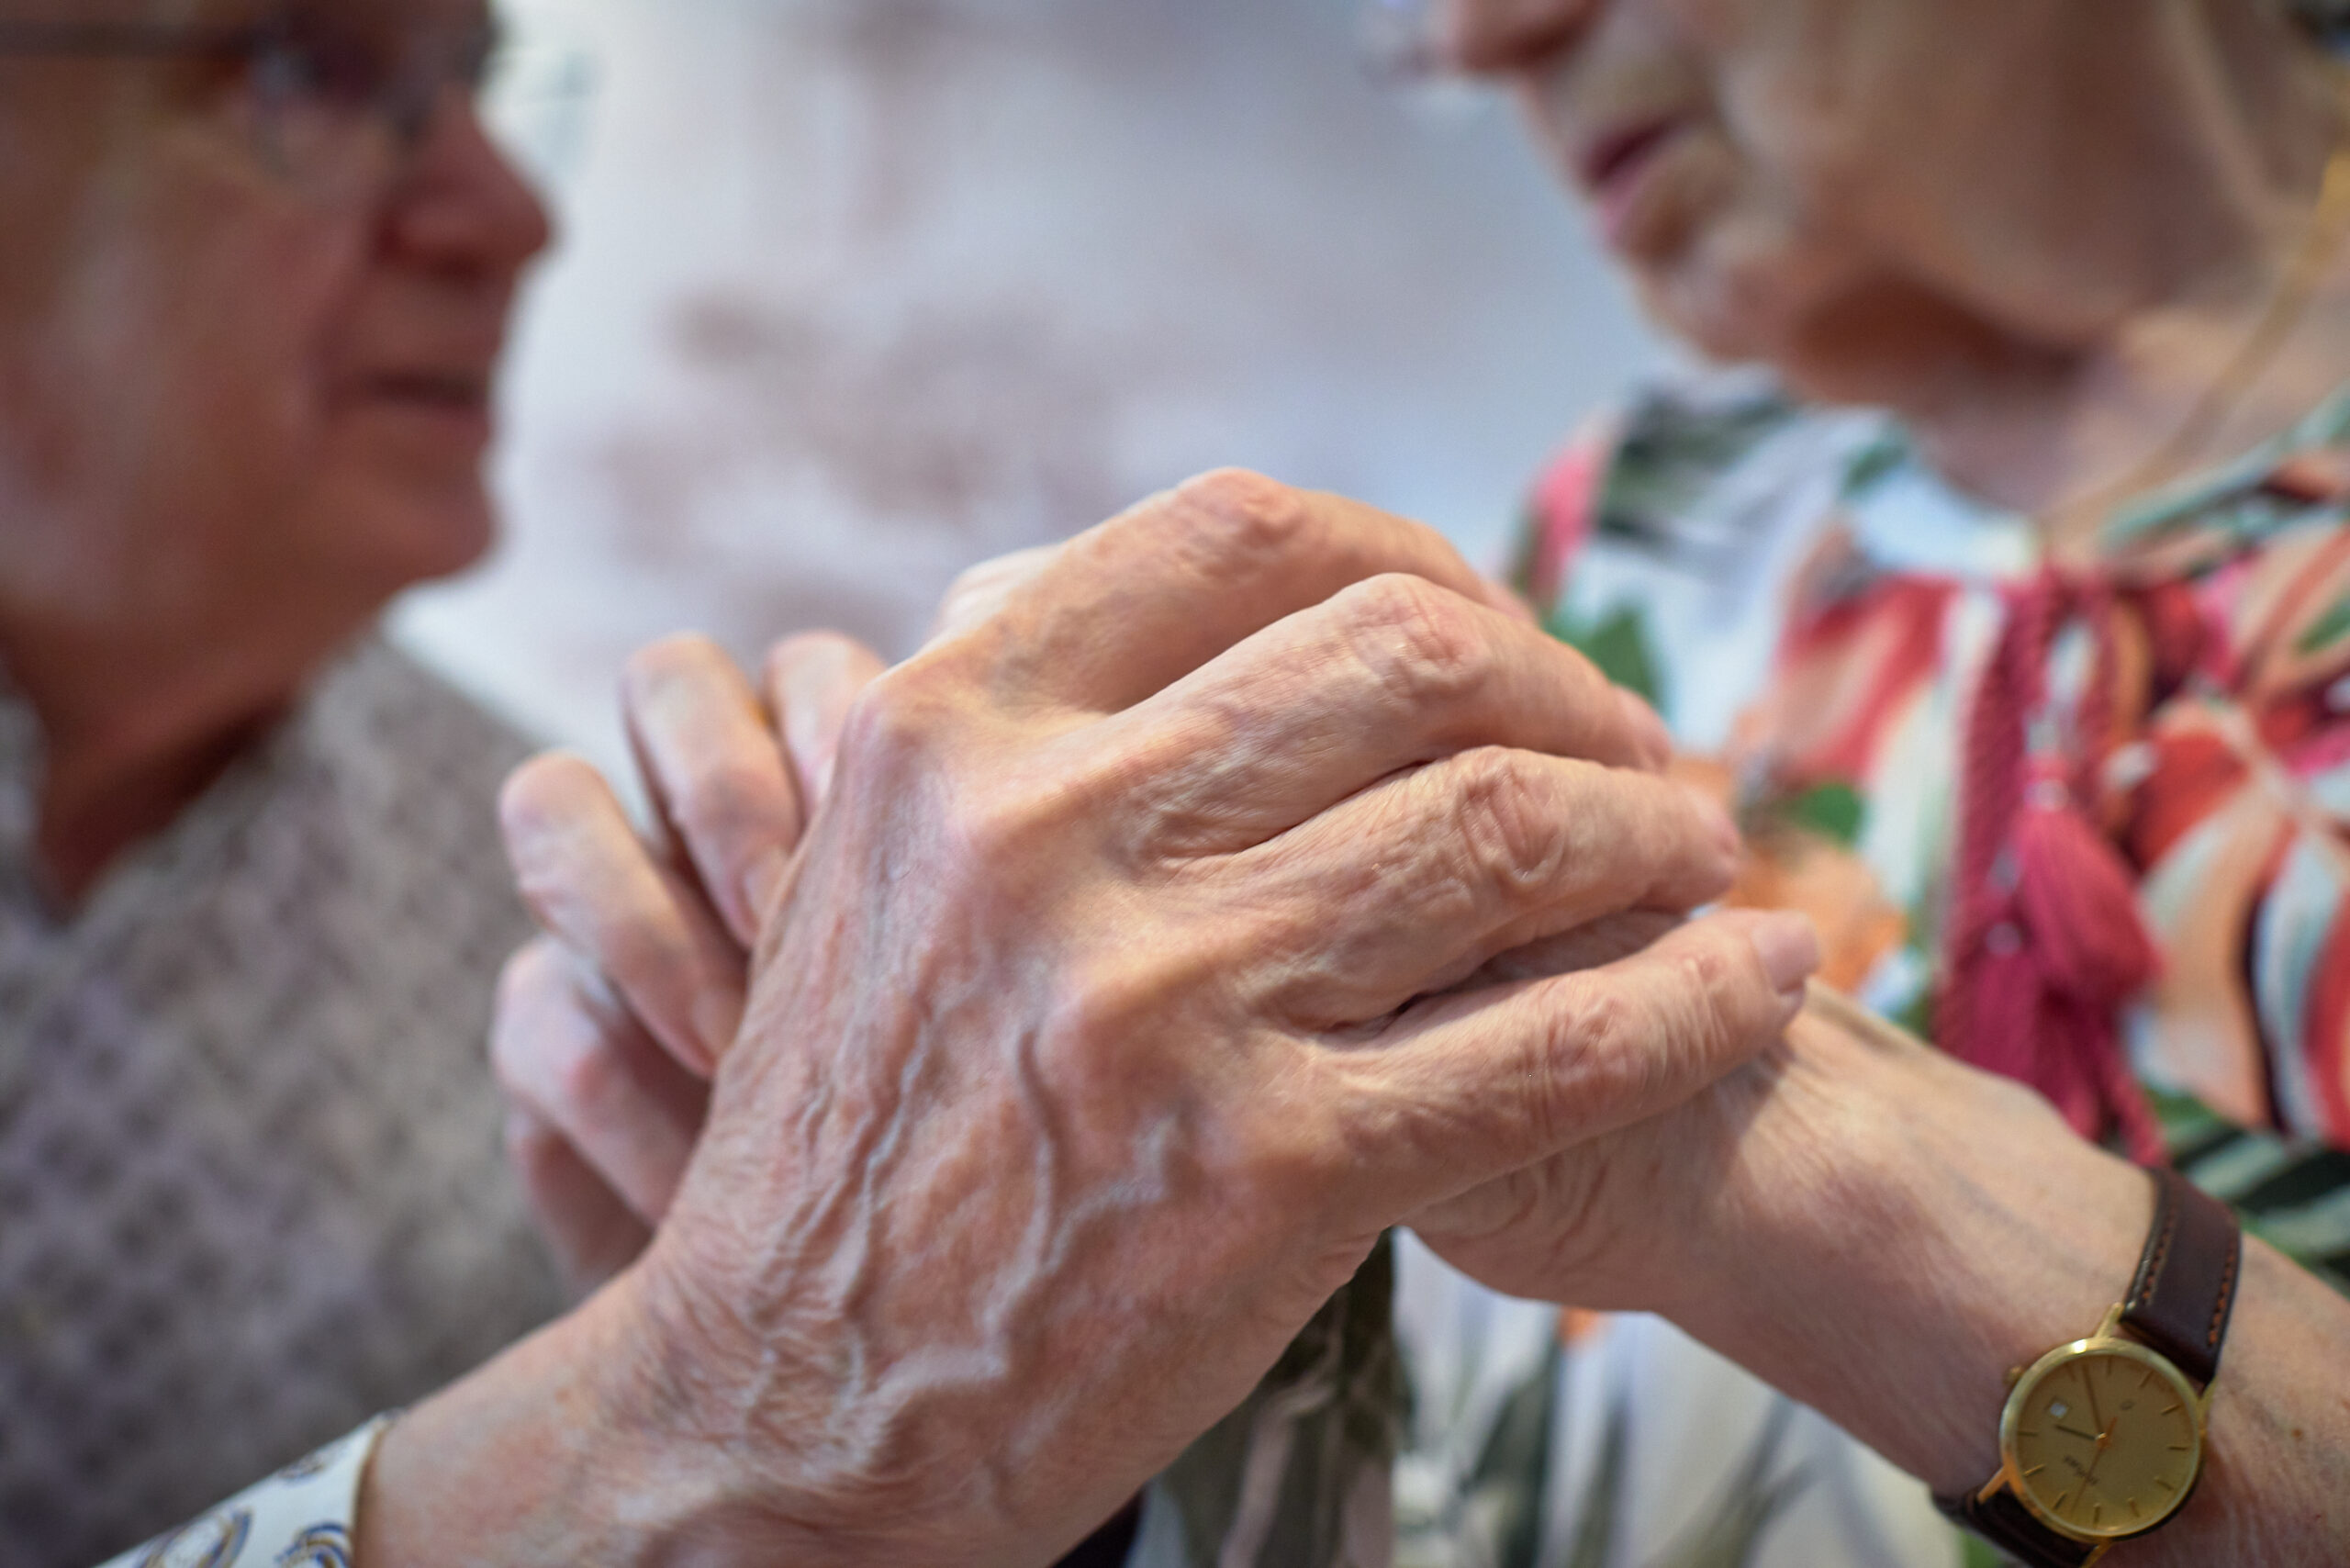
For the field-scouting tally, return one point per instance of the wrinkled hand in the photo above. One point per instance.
(1111, 1010)
(1636, 1219)
(609, 1026)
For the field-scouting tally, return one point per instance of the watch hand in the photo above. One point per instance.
(2088, 1386)
(2076, 1432)
(2088, 1476)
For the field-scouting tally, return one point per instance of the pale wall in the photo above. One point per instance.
(855, 292)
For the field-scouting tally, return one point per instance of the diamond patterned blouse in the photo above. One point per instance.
(250, 1188)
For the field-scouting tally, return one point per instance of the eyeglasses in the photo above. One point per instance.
(333, 98)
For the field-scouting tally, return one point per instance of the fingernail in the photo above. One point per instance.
(1789, 949)
(1655, 740)
(718, 1017)
(817, 692)
(1718, 822)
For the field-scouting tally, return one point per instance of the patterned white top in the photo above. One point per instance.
(303, 1516)
(249, 1142)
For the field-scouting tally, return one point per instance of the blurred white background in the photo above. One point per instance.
(853, 292)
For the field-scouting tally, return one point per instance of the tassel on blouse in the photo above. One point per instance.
(2045, 943)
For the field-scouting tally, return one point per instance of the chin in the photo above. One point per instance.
(382, 541)
(1746, 294)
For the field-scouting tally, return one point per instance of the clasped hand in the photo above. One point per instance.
(1216, 891)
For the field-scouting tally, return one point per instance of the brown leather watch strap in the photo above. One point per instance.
(2179, 1305)
(2185, 1288)
(2003, 1520)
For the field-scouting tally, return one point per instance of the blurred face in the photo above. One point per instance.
(248, 331)
(1765, 167)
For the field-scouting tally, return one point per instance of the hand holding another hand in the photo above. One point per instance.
(609, 1026)
(1133, 980)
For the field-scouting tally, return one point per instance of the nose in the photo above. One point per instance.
(1500, 37)
(461, 206)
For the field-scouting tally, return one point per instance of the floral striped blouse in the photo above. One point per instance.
(1815, 611)
(2214, 763)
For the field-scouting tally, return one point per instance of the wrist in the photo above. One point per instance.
(1900, 1232)
(570, 1447)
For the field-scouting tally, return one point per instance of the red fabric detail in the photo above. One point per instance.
(2324, 749)
(2322, 1044)
(2219, 593)
(2045, 943)
(2080, 905)
(1566, 506)
(2193, 773)
(1840, 703)
(2176, 634)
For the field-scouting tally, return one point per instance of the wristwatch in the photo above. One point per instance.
(2102, 1440)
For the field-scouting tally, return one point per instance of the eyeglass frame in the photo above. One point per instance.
(405, 99)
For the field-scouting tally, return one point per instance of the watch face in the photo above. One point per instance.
(2103, 1439)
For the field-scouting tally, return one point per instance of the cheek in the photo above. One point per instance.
(196, 335)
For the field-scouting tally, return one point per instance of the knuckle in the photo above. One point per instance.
(1420, 644)
(1232, 520)
(1595, 1055)
(787, 652)
(731, 799)
(895, 724)
(980, 589)
(1511, 844)
(539, 1013)
(1008, 833)
(588, 1078)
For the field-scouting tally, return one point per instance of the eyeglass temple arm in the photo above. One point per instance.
(127, 38)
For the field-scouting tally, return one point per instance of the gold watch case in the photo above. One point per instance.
(2102, 1438)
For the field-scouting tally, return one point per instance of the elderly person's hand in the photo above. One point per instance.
(609, 1026)
(1107, 1017)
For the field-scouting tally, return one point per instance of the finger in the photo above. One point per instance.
(1148, 597)
(579, 1063)
(716, 772)
(1386, 674)
(1440, 869)
(598, 891)
(811, 682)
(1489, 1082)
(1510, 602)
(1591, 947)
(591, 1232)
(986, 588)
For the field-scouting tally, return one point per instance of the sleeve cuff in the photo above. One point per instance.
(303, 1516)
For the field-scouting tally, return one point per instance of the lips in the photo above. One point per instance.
(456, 391)
(1620, 153)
